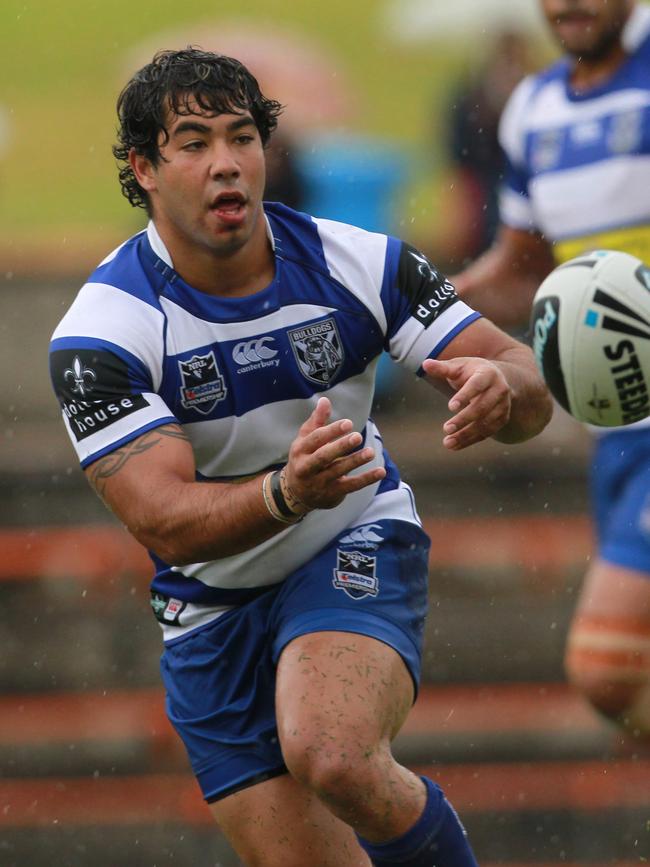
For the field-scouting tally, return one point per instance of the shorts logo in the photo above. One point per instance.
(318, 350)
(166, 609)
(363, 537)
(355, 574)
(203, 385)
(82, 377)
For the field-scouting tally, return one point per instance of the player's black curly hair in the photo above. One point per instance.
(175, 79)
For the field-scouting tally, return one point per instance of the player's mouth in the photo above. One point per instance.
(574, 22)
(229, 207)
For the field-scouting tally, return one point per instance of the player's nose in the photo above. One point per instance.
(223, 163)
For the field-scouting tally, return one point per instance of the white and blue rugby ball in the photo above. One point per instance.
(590, 331)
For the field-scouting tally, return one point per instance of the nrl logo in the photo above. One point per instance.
(318, 350)
(355, 574)
(203, 386)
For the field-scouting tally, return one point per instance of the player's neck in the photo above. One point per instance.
(590, 73)
(241, 272)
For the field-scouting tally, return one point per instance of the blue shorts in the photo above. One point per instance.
(620, 481)
(220, 678)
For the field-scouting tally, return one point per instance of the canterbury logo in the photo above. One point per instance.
(363, 536)
(250, 351)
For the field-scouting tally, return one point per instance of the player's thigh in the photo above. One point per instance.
(339, 695)
(348, 641)
(279, 823)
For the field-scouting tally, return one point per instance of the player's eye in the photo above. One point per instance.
(245, 138)
(194, 145)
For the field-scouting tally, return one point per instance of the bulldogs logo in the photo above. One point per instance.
(203, 385)
(318, 350)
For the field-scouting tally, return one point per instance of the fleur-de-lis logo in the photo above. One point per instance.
(83, 377)
(425, 268)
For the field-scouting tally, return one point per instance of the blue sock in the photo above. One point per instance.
(436, 840)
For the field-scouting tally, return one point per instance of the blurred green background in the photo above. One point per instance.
(63, 64)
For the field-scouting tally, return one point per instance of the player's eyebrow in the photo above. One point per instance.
(190, 126)
(196, 125)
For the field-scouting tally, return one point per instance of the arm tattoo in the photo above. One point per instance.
(106, 467)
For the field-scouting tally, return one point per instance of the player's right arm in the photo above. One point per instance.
(149, 483)
(502, 282)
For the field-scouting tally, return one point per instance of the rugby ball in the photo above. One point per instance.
(590, 332)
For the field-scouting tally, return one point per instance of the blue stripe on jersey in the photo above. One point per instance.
(284, 376)
(139, 375)
(116, 444)
(437, 349)
(295, 236)
(571, 146)
(395, 317)
(131, 271)
(391, 480)
(514, 177)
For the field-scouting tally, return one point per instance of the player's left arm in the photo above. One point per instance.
(497, 390)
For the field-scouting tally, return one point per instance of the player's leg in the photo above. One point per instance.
(340, 700)
(220, 683)
(280, 823)
(341, 697)
(348, 640)
(608, 650)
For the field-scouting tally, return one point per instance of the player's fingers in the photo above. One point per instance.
(333, 451)
(319, 416)
(346, 464)
(476, 431)
(350, 484)
(484, 407)
(478, 383)
(437, 369)
(329, 434)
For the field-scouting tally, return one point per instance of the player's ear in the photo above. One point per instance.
(143, 170)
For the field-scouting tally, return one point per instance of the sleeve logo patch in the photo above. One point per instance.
(88, 417)
(81, 378)
(428, 291)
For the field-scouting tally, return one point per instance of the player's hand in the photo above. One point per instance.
(323, 455)
(481, 403)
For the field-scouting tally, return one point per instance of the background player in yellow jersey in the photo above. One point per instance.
(577, 144)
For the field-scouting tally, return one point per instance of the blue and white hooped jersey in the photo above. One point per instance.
(139, 348)
(578, 165)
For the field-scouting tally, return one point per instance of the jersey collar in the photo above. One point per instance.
(158, 247)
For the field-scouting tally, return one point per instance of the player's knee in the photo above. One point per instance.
(611, 671)
(328, 766)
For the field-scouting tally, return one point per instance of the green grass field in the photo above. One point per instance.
(62, 65)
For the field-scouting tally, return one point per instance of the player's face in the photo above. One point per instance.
(206, 189)
(587, 28)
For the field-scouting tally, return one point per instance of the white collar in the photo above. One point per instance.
(636, 27)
